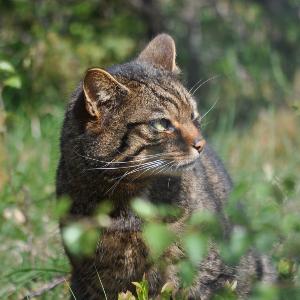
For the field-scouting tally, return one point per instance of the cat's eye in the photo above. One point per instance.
(162, 125)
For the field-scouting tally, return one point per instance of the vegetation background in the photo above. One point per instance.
(248, 51)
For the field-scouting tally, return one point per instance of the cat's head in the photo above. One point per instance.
(138, 119)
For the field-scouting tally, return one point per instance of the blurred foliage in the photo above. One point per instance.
(252, 45)
(247, 51)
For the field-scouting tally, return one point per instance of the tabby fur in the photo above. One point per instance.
(107, 136)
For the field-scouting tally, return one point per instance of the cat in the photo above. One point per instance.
(133, 130)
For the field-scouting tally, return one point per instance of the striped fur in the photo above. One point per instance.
(111, 150)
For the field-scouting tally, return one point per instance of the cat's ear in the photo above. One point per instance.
(160, 52)
(101, 89)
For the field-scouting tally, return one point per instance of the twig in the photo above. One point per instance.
(46, 287)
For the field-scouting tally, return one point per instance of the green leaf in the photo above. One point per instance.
(142, 289)
(289, 184)
(195, 246)
(158, 238)
(187, 272)
(290, 223)
(62, 207)
(285, 268)
(239, 240)
(237, 246)
(144, 208)
(227, 292)
(265, 292)
(206, 222)
(166, 291)
(71, 236)
(165, 210)
(88, 241)
(80, 240)
(14, 82)
(5, 66)
(265, 240)
(105, 208)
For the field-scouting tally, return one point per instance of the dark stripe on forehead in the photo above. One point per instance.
(158, 110)
(175, 89)
(185, 95)
(165, 97)
(157, 86)
(179, 93)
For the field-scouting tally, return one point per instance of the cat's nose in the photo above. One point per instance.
(199, 144)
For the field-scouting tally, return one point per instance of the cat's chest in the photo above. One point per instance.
(191, 191)
(176, 191)
(123, 252)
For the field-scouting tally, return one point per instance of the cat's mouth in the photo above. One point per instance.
(187, 163)
(182, 166)
(167, 168)
(177, 168)
(136, 171)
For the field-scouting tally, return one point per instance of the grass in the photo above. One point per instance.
(31, 254)
(31, 251)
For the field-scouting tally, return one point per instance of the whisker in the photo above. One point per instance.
(142, 158)
(163, 167)
(198, 82)
(117, 168)
(210, 109)
(121, 162)
(135, 156)
(100, 281)
(207, 80)
(113, 187)
(147, 169)
(141, 167)
(173, 165)
(69, 287)
(153, 165)
(205, 124)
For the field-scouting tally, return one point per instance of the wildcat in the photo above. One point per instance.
(133, 130)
